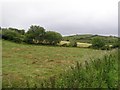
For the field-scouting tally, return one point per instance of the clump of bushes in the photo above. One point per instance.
(116, 44)
(98, 43)
(11, 36)
(34, 35)
(106, 47)
(73, 43)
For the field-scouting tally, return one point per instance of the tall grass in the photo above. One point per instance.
(99, 73)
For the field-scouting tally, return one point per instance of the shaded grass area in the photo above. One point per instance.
(24, 63)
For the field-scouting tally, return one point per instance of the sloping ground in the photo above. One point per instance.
(28, 62)
(98, 73)
(83, 45)
(87, 38)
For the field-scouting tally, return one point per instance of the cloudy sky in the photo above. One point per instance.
(64, 16)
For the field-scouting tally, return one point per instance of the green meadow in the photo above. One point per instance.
(23, 63)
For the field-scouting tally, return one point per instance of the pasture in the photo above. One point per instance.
(82, 45)
(22, 62)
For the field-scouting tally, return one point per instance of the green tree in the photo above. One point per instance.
(116, 43)
(35, 34)
(12, 36)
(52, 37)
(22, 31)
(73, 43)
(98, 43)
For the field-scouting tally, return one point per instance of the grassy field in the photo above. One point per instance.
(82, 45)
(23, 62)
(98, 73)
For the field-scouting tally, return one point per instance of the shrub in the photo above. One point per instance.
(53, 37)
(12, 36)
(35, 33)
(116, 44)
(73, 43)
(106, 47)
(28, 38)
(98, 43)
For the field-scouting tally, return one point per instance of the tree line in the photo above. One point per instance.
(39, 35)
(34, 35)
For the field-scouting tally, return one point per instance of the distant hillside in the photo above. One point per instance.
(87, 38)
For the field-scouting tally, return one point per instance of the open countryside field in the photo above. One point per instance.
(23, 62)
(82, 45)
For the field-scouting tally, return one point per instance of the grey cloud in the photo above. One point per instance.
(65, 17)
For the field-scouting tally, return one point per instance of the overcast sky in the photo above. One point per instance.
(64, 16)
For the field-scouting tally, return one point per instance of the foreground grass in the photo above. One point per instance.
(99, 73)
(27, 63)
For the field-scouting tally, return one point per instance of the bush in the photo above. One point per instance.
(17, 40)
(73, 44)
(98, 43)
(12, 36)
(35, 33)
(28, 38)
(106, 47)
(116, 44)
(53, 37)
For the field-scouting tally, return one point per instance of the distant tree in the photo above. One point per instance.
(12, 36)
(73, 43)
(12, 29)
(35, 34)
(98, 43)
(52, 37)
(116, 43)
(21, 31)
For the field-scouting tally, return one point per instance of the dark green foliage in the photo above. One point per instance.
(73, 43)
(35, 34)
(17, 30)
(87, 38)
(29, 38)
(106, 47)
(52, 37)
(21, 32)
(98, 43)
(116, 43)
(11, 35)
